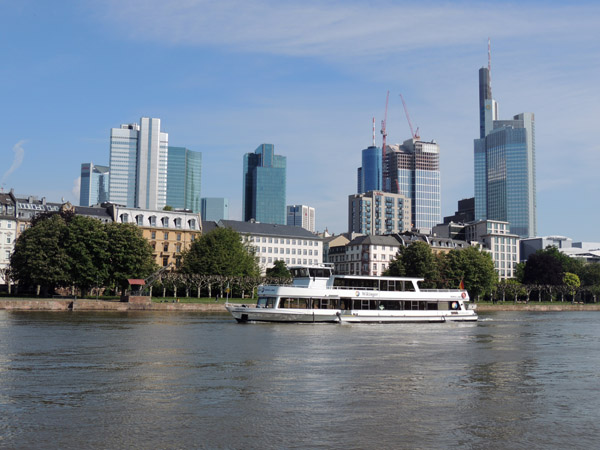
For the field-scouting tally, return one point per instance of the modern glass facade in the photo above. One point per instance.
(94, 184)
(184, 176)
(415, 173)
(371, 177)
(138, 165)
(215, 209)
(264, 186)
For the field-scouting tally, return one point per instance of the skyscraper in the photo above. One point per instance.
(264, 186)
(414, 171)
(93, 184)
(370, 176)
(138, 165)
(504, 165)
(215, 209)
(378, 212)
(184, 175)
(301, 216)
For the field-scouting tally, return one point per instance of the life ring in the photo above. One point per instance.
(463, 295)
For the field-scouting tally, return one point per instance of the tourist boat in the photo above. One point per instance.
(317, 295)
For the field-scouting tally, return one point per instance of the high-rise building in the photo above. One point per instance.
(301, 216)
(377, 212)
(93, 188)
(138, 165)
(215, 209)
(504, 165)
(264, 186)
(414, 171)
(184, 175)
(369, 176)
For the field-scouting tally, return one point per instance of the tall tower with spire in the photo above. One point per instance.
(504, 164)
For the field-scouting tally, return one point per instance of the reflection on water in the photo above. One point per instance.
(152, 380)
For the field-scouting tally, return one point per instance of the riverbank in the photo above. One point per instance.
(27, 304)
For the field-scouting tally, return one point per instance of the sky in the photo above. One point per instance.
(307, 76)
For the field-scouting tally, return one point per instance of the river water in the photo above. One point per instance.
(169, 380)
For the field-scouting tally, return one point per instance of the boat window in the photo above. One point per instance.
(301, 272)
(289, 302)
(265, 302)
(324, 303)
(320, 272)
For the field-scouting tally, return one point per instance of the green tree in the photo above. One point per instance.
(572, 282)
(129, 254)
(416, 260)
(590, 275)
(86, 244)
(474, 267)
(544, 267)
(40, 258)
(220, 252)
(279, 270)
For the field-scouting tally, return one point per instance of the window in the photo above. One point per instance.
(165, 261)
(166, 247)
(152, 220)
(178, 248)
(124, 218)
(166, 235)
(139, 220)
(179, 236)
(153, 234)
(192, 224)
(165, 222)
(177, 223)
(22, 227)
(8, 238)
(153, 245)
(8, 225)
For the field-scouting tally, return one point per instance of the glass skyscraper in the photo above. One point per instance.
(370, 176)
(504, 166)
(184, 175)
(264, 186)
(94, 184)
(138, 165)
(414, 171)
(215, 209)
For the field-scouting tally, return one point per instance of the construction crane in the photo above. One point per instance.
(384, 138)
(414, 134)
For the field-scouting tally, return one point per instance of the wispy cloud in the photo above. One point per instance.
(337, 29)
(19, 155)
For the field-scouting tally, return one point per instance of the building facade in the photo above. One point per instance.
(496, 238)
(93, 188)
(169, 232)
(377, 213)
(215, 209)
(184, 176)
(414, 171)
(8, 232)
(272, 242)
(138, 165)
(504, 166)
(370, 176)
(264, 186)
(301, 216)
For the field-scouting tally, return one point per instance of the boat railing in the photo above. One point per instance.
(440, 290)
(356, 288)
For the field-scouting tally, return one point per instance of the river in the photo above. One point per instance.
(149, 380)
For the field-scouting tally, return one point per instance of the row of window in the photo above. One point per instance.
(286, 251)
(283, 241)
(270, 260)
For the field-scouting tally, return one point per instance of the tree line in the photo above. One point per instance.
(62, 250)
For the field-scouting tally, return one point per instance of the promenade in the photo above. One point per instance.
(27, 304)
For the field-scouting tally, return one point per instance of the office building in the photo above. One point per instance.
(215, 209)
(369, 175)
(301, 216)
(264, 186)
(504, 165)
(138, 165)
(184, 176)
(414, 171)
(377, 212)
(273, 242)
(465, 212)
(93, 187)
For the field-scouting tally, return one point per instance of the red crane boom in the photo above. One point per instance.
(384, 134)
(415, 135)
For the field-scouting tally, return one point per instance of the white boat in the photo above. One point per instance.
(317, 295)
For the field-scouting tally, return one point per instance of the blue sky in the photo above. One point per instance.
(307, 76)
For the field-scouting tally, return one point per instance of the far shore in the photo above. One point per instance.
(53, 304)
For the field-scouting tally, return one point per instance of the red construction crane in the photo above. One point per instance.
(414, 134)
(384, 134)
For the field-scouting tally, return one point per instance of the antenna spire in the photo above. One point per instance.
(373, 132)
(490, 63)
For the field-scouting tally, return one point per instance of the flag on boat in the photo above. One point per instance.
(462, 285)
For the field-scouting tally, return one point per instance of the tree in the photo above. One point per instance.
(40, 257)
(279, 270)
(129, 254)
(416, 260)
(474, 267)
(86, 244)
(220, 252)
(543, 267)
(571, 281)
